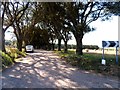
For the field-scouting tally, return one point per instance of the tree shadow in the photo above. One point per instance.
(44, 69)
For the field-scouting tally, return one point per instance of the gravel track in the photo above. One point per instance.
(44, 69)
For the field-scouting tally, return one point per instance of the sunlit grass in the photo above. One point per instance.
(15, 53)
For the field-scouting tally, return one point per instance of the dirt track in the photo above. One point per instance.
(44, 69)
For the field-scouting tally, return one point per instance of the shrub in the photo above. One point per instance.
(6, 59)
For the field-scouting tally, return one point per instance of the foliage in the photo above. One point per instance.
(54, 20)
(38, 37)
(113, 8)
(90, 47)
(75, 17)
(54, 17)
(6, 59)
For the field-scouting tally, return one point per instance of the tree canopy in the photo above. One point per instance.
(42, 23)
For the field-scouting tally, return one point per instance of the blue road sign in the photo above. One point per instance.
(110, 43)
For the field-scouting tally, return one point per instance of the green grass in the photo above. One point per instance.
(91, 61)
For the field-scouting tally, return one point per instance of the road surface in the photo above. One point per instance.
(44, 69)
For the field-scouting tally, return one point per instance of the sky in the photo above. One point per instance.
(105, 30)
(8, 35)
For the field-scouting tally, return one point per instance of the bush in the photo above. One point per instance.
(6, 59)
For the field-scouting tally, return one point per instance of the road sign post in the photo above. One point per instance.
(103, 53)
(103, 58)
(116, 55)
(110, 44)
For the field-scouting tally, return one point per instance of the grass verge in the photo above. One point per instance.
(92, 61)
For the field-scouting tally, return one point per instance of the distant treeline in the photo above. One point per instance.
(84, 46)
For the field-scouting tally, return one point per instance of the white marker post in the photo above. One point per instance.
(103, 60)
(103, 57)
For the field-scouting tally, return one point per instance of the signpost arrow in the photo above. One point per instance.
(117, 44)
(110, 44)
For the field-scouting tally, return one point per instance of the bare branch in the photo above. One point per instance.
(95, 18)
(82, 15)
(22, 10)
(90, 11)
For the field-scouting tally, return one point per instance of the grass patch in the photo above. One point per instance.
(92, 61)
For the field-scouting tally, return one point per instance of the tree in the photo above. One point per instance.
(67, 36)
(52, 37)
(40, 38)
(18, 24)
(80, 14)
(12, 12)
(7, 21)
(54, 14)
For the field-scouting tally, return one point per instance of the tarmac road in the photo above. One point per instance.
(44, 69)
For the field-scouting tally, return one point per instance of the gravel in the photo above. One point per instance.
(44, 69)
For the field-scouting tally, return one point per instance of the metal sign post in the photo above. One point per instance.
(103, 54)
(116, 55)
(103, 60)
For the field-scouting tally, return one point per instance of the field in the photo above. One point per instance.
(106, 51)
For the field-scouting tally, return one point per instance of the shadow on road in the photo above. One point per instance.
(44, 69)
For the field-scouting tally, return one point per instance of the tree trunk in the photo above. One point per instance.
(3, 41)
(79, 46)
(65, 47)
(59, 44)
(19, 44)
(53, 46)
(17, 32)
(79, 38)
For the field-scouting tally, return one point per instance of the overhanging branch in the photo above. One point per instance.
(95, 18)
